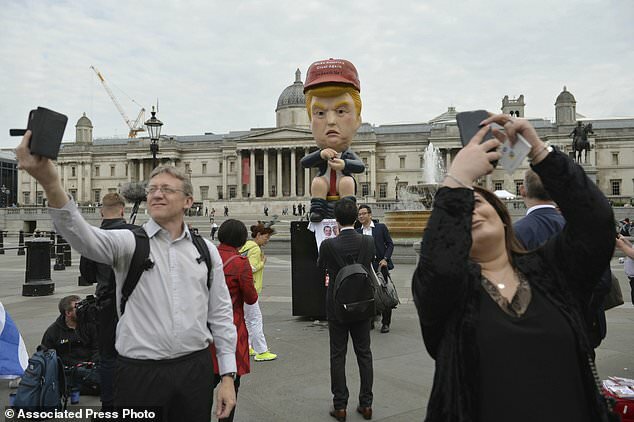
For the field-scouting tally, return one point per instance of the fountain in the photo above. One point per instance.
(412, 212)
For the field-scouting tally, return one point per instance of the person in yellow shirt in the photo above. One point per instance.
(252, 314)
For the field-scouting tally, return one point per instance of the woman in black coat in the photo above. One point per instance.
(506, 326)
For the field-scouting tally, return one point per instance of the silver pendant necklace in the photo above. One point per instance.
(501, 286)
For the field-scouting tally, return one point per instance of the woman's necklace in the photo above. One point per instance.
(502, 286)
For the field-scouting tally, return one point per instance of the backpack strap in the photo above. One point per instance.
(139, 263)
(203, 250)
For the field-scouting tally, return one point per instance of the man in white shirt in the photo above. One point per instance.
(171, 317)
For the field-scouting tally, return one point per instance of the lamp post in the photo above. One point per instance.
(154, 129)
(396, 187)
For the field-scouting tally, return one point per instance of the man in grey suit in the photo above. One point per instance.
(383, 248)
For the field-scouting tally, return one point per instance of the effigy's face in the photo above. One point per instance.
(334, 121)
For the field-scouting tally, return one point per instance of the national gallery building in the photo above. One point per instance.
(253, 168)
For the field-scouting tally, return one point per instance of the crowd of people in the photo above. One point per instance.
(509, 319)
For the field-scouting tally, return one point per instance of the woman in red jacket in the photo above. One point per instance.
(239, 278)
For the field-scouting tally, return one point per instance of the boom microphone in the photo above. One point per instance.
(134, 191)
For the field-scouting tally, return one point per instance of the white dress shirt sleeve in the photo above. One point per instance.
(111, 247)
(220, 315)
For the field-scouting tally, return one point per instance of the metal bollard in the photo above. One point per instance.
(2, 232)
(37, 277)
(21, 243)
(67, 257)
(59, 255)
(52, 237)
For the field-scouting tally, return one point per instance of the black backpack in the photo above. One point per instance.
(353, 289)
(141, 262)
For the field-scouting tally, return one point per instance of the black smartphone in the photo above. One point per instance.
(469, 125)
(47, 130)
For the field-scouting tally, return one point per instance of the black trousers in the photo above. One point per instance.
(181, 387)
(360, 333)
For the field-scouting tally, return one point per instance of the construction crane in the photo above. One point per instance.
(135, 126)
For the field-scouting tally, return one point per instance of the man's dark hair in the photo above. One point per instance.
(233, 233)
(367, 207)
(65, 302)
(534, 187)
(346, 212)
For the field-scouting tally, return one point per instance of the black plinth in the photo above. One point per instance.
(38, 288)
(308, 288)
(37, 277)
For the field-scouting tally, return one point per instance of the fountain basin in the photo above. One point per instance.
(407, 224)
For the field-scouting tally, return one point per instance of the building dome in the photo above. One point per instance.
(565, 97)
(293, 95)
(84, 122)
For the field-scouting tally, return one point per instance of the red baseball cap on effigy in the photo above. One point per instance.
(332, 71)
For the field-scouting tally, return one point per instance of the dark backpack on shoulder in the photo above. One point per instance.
(141, 262)
(43, 385)
(353, 289)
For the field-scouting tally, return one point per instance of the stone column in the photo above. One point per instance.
(141, 171)
(89, 196)
(33, 190)
(280, 192)
(252, 174)
(225, 191)
(239, 185)
(265, 194)
(306, 176)
(448, 159)
(130, 166)
(80, 182)
(373, 174)
(67, 176)
(293, 174)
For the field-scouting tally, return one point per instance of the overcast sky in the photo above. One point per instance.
(218, 66)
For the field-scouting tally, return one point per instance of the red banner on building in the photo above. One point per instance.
(246, 175)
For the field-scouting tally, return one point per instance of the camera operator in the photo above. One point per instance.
(72, 347)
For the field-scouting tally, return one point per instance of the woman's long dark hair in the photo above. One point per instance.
(513, 246)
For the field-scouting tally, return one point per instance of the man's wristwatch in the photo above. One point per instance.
(229, 374)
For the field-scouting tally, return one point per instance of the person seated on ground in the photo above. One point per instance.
(79, 353)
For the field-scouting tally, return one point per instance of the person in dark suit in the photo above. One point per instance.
(347, 244)
(543, 221)
(383, 248)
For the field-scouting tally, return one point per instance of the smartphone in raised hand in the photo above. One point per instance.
(469, 125)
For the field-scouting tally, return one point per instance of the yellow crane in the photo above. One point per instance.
(135, 126)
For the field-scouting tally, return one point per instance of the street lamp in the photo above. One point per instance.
(154, 129)
(396, 187)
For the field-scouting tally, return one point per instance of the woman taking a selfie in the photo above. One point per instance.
(505, 326)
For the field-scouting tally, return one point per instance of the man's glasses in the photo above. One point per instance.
(165, 190)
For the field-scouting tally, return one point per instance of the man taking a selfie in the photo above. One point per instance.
(173, 315)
